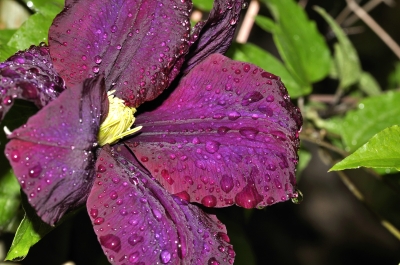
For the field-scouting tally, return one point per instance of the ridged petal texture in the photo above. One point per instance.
(138, 222)
(139, 45)
(215, 34)
(53, 158)
(228, 134)
(28, 75)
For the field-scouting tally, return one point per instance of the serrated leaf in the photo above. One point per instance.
(205, 5)
(347, 63)
(369, 85)
(253, 54)
(381, 151)
(373, 115)
(301, 46)
(29, 232)
(265, 23)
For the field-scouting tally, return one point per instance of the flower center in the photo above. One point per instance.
(118, 122)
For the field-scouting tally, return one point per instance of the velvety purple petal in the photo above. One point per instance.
(53, 154)
(227, 134)
(138, 222)
(28, 75)
(215, 34)
(138, 45)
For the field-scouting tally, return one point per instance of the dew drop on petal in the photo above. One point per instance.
(226, 183)
(134, 239)
(35, 171)
(134, 257)
(165, 256)
(248, 197)
(209, 201)
(111, 241)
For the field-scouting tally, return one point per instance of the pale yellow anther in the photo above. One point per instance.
(118, 122)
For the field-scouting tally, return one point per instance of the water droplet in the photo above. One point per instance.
(297, 197)
(8, 100)
(209, 201)
(270, 200)
(95, 69)
(222, 130)
(165, 256)
(98, 59)
(101, 168)
(189, 180)
(167, 177)
(113, 195)
(248, 132)
(213, 261)
(134, 239)
(249, 197)
(114, 28)
(234, 115)
(94, 213)
(98, 221)
(35, 171)
(212, 146)
(270, 98)
(223, 236)
(251, 97)
(111, 241)
(15, 156)
(157, 214)
(134, 257)
(182, 198)
(226, 183)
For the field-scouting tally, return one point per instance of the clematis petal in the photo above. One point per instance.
(28, 75)
(138, 45)
(53, 154)
(215, 34)
(227, 134)
(138, 222)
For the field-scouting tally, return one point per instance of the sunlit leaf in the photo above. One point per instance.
(29, 232)
(9, 198)
(346, 59)
(300, 45)
(369, 85)
(381, 151)
(251, 53)
(5, 35)
(372, 115)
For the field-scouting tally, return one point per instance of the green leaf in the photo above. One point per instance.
(369, 85)
(33, 31)
(9, 198)
(347, 63)
(381, 151)
(5, 35)
(6, 51)
(372, 116)
(265, 23)
(253, 54)
(205, 5)
(304, 159)
(301, 46)
(29, 232)
(41, 5)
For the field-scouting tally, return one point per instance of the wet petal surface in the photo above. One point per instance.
(228, 134)
(28, 75)
(138, 222)
(52, 155)
(215, 34)
(138, 45)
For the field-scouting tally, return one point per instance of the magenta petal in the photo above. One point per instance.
(137, 45)
(227, 134)
(52, 155)
(138, 222)
(28, 75)
(215, 34)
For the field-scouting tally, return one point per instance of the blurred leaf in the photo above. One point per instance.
(35, 29)
(346, 59)
(9, 198)
(205, 5)
(304, 159)
(42, 5)
(394, 77)
(5, 35)
(265, 23)
(253, 54)
(6, 51)
(29, 232)
(373, 115)
(382, 151)
(369, 85)
(301, 46)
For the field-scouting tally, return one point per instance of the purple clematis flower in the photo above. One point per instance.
(223, 133)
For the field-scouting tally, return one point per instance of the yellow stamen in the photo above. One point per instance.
(118, 122)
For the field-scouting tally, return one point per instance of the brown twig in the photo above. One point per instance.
(367, 19)
(367, 7)
(248, 22)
